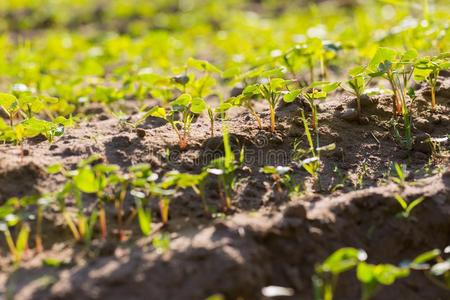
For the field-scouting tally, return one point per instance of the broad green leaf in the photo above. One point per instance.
(343, 260)
(198, 105)
(382, 55)
(86, 181)
(427, 256)
(202, 65)
(182, 101)
(292, 95)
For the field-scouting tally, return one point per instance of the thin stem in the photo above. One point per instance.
(38, 239)
(272, 118)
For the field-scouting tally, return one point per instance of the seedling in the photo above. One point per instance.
(271, 91)
(184, 180)
(185, 105)
(357, 84)
(144, 215)
(18, 247)
(280, 176)
(372, 276)
(327, 273)
(407, 208)
(225, 168)
(427, 69)
(401, 174)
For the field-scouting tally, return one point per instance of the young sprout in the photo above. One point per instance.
(16, 248)
(10, 105)
(225, 168)
(42, 204)
(218, 111)
(400, 171)
(372, 276)
(185, 180)
(144, 215)
(357, 84)
(280, 176)
(185, 105)
(270, 89)
(427, 69)
(407, 208)
(327, 273)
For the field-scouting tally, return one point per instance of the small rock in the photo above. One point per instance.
(423, 125)
(295, 211)
(435, 119)
(141, 133)
(349, 114)
(420, 156)
(295, 131)
(422, 143)
(236, 91)
(364, 121)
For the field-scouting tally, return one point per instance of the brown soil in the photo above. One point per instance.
(271, 238)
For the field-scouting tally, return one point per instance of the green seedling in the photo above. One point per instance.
(357, 83)
(280, 176)
(272, 92)
(400, 171)
(435, 266)
(407, 208)
(225, 168)
(10, 105)
(144, 215)
(427, 69)
(18, 247)
(327, 273)
(372, 276)
(216, 112)
(184, 180)
(185, 105)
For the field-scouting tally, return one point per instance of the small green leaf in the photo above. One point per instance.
(198, 105)
(85, 181)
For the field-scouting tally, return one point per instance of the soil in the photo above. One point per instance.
(270, 238)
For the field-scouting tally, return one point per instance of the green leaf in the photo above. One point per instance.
(182, 101)
(413, 204)
(387, 274)
(364, 272)
(401, 201)
(198, 105)
(156, 111)
(292, 95)
(202, 65)
(427, 256)
(55, 168)
(144, 219)
(9, 103)
(22, 238)
(85, 181)
(343, 260)
(382, 55)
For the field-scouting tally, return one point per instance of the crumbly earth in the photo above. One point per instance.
(270, 238)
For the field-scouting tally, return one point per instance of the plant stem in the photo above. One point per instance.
(38, 239)
(10, 242)
(272, 118)
(72, 226)
(433, 98)
(255, 115)
(102, 219)
(358, 105)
